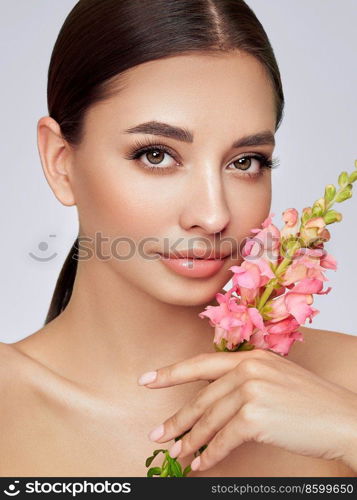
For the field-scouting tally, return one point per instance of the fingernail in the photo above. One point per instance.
(147, 377)
(156, 433)
(195, 463)
(175, 449)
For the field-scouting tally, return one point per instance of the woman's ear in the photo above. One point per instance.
(56, 159)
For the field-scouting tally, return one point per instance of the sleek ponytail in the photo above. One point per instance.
(64, 285)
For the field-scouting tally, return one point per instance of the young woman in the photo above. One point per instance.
(161, 129)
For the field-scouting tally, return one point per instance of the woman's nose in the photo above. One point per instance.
(205, 204)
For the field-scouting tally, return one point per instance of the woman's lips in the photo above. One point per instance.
(194, 268)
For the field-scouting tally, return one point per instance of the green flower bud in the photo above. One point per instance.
(306, 215)
(332, 216)
(344, 194)
(245, 346)
(319, 207)
(221, 347)
(330, 192)
(353, 177)
(343, 179)
(317, 211)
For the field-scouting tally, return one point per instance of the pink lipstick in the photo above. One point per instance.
(194, 267)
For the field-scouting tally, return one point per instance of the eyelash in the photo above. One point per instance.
(141, 148)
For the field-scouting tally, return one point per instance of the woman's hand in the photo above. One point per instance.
(257, 396)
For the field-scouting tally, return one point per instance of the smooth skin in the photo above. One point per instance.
(71, 402)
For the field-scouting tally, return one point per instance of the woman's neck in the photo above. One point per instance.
(111, 332)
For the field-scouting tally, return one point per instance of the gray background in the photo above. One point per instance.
(315, 44)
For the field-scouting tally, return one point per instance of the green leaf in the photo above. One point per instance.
(176, 468)
(150, 459)
(165, 471)
(154, 471)
(158, 451)
(169, 465)
(186, 470)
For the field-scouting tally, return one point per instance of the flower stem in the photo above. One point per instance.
(266, 294)
(278, 272)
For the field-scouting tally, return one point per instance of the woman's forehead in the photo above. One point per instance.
(193, 89)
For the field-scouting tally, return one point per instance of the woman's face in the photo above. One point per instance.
(200, 195)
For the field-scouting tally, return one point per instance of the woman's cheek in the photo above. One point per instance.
(121, 208)
(249, 206)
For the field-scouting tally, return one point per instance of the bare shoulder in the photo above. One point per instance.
(34, 404)
(16, 364)
(19, 376)
(11, 366)
(26, 385)
(26, 414)
(328, 353)
(16, 393)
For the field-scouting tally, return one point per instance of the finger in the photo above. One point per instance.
(206, 366)
(212, 421)
(223, 443)
(189, 414)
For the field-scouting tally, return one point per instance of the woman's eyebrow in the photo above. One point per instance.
(185, 135)
(164, 129)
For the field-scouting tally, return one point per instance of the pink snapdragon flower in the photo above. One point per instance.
(232, 321)
(280, 337)
(287, 313)
(291, 219)
(265, 244)
(297, 302)
(315, 229)
(308, 263)
(250, 278)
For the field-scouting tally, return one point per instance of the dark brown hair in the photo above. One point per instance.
(100, 39)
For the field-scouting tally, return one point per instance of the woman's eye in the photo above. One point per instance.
(245, 163)
(157, 157)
